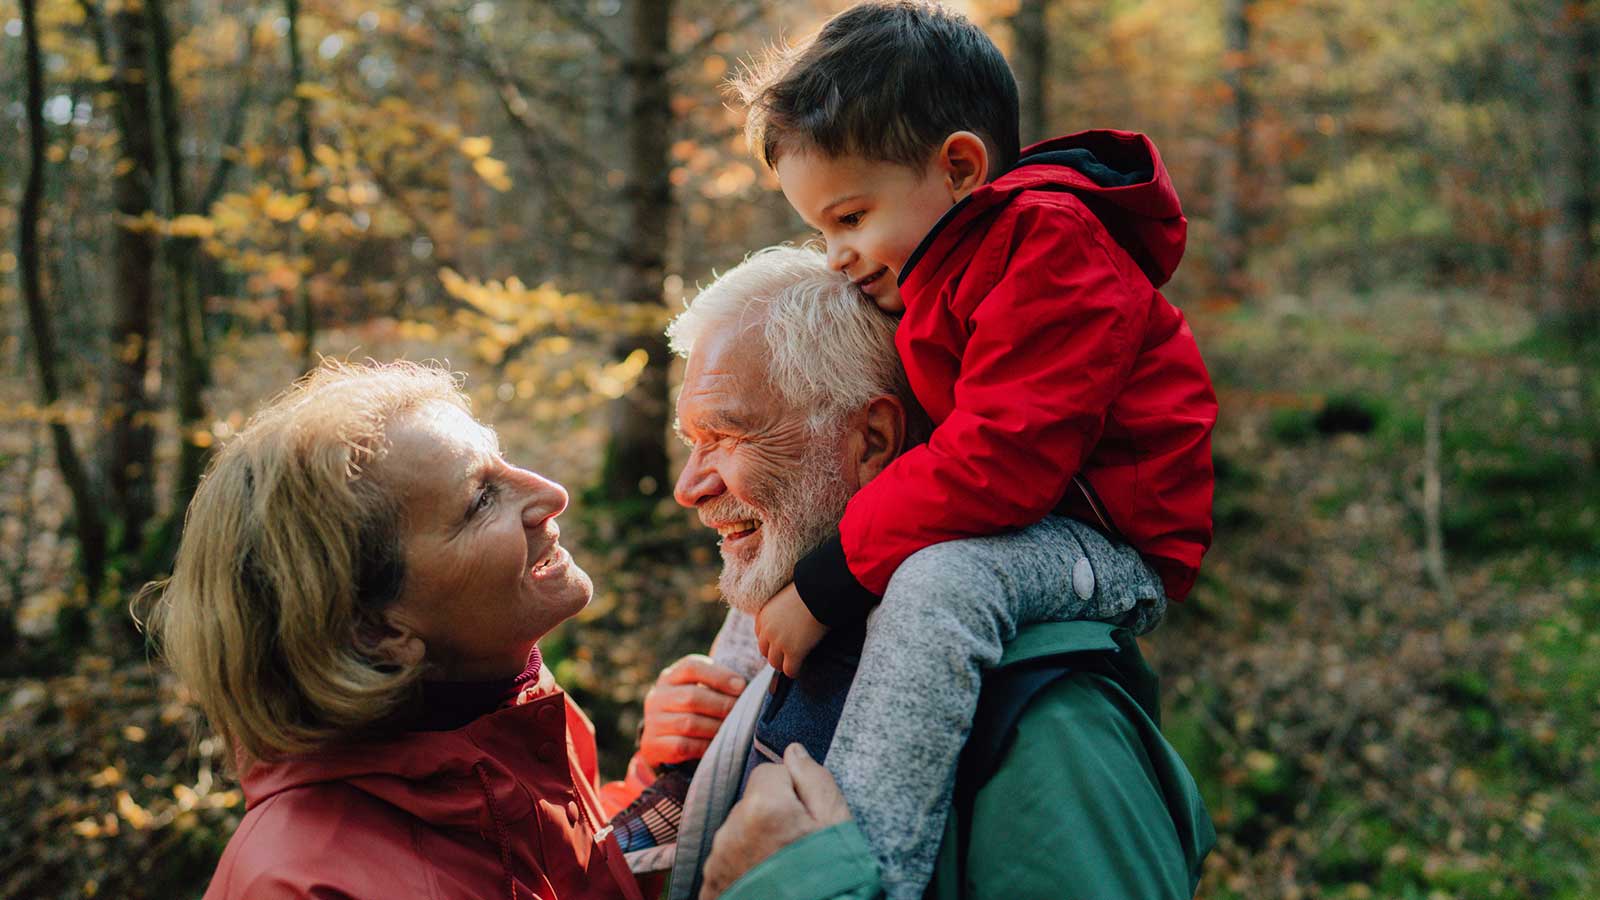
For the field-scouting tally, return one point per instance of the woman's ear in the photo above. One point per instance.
(882, 431)
(965, 160)
(392, 640)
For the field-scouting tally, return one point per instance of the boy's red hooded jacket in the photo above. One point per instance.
(504, 807)
(1035, 337)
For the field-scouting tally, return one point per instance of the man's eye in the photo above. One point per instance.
(485, 499)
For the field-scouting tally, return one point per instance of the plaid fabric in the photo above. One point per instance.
(652, 819)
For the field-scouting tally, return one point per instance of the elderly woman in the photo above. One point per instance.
(355, 604)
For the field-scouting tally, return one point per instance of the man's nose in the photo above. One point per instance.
(697, 482)
(545, 499)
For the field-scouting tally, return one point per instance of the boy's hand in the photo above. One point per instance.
(786, 631)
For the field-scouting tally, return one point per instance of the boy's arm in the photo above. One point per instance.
(1051, 345)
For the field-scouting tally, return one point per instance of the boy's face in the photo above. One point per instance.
(872, 214)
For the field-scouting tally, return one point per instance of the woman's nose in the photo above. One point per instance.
(697, 482)
(545, 499)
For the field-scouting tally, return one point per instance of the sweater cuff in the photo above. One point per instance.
(828, 588)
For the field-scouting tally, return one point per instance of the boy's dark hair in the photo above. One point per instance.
(886, 80)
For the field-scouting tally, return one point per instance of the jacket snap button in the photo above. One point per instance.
(548, 752)
(549, 715)
(1083, 579)
(572, 810)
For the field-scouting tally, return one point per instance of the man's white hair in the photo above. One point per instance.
(830, 349)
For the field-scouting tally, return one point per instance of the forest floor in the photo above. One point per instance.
(1359, 728)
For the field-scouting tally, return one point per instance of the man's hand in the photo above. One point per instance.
(684, 708)
(786, 631)
(781, 804)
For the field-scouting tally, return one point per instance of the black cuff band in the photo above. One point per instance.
(828, 589)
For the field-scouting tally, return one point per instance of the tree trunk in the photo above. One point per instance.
(1233, 161)
(636, 459)
(302, 115)
(86, 509)
(131, 437)
(1566, 246)
(1031, 58)
(191, 366)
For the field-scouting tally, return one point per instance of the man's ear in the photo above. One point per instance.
(964, 157)
(392, 639)
(881, 434)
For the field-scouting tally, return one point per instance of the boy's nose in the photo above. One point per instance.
(840, 257)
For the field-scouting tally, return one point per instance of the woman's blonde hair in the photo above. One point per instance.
(290, 553)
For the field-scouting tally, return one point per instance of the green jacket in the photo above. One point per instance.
(1089, 801)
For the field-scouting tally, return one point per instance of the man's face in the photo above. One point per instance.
(871, 214)
(756, 472)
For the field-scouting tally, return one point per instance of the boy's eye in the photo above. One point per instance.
(850, 220)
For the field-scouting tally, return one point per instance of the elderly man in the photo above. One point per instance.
(792, 399)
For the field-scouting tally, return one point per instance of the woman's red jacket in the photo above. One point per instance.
(504, 807)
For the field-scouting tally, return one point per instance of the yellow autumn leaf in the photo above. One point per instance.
(191, 225)
(131, 812)
(284, 278)
(493, 172)
(475, 147)
(284, 207)
(312, 91)
(326, 156)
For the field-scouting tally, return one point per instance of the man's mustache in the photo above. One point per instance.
(726, 509)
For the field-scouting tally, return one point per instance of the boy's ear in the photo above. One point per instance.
(965, 160)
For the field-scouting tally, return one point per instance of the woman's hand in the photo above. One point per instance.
(781, 804)
(684, 708)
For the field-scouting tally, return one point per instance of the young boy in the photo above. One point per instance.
(1059, 379)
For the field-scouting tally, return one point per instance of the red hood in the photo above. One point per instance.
(1117, 174)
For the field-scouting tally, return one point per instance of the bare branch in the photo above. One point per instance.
(572, 15)
(537, 142)
(234, 131)
(741, 18)
(97, 30)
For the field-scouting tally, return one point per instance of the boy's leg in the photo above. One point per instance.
(948, 612)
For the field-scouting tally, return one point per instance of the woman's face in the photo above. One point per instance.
(485, 576)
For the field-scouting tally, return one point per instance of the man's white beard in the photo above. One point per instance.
(796, 512)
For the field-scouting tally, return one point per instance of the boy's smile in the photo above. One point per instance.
(872, 214)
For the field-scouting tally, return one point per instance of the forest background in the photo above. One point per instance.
(1388, 679)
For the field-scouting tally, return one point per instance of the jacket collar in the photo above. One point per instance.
(440, 777)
